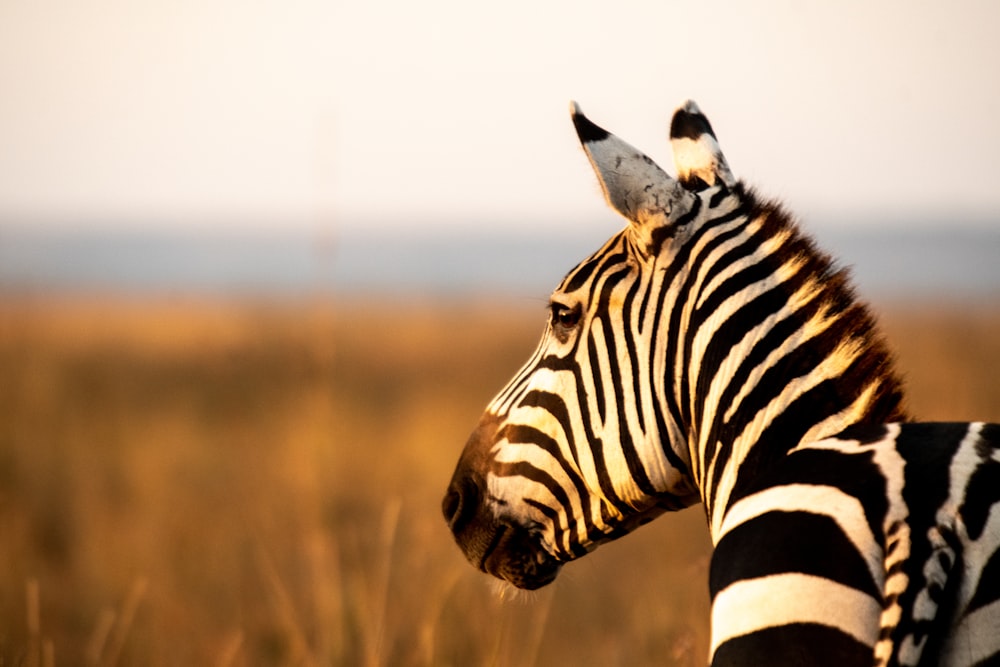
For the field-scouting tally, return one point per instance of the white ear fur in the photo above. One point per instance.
(633, 184)
(696, 150)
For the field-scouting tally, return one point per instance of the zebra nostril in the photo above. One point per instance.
(459, 504)
(451, 505)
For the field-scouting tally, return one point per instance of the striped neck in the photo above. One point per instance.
(767, 347)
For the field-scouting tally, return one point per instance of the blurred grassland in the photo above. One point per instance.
(232, 483)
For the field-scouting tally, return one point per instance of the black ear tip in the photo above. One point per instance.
(586, 130)
(689, 123)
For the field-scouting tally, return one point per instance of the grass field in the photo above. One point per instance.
(226, 483)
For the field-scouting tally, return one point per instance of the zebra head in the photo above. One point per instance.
(584, 444)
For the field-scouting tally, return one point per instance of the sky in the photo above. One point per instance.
(445, 115)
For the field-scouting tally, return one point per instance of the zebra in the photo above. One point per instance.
(710, 353)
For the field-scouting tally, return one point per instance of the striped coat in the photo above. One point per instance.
(710, 353)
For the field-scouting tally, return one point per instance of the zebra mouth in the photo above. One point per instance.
(518, 558)
(498, 546)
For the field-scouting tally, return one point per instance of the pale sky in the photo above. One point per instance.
(448, 114)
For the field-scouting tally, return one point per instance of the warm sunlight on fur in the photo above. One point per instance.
(264, 482)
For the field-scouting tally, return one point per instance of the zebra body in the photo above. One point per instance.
(709, 353)
(874, 538)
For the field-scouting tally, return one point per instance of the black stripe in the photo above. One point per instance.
(736, 255)
(752, 313)
(742, 210)
(798, 362)
(593, 356)
(626, 322)
(662, 233)
(983, 490)
(623, 403)
(529, 435)
(612, 270)
(575, 549)
(556, 406)
(784, 542)
(580, 275)
(597, 291)
(811, 407)
(928, 450)
(729, 334)
(595, 265)
(795, 644)
(760, 351)
(719, 196)
(739, 281)
(644, 305)
(856, 475)
(508, 393)
(686, 217)
(556, 363)
(689, 295)
(685, 259)
(548, 512)
(807, 409)
(542, 477)
(865, 434)
(836, 298)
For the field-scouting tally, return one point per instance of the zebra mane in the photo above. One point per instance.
(848, 325)
(839, 294)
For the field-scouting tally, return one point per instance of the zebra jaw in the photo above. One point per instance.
(493, 541)
(503, 528)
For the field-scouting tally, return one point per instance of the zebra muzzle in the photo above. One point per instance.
(497, 546)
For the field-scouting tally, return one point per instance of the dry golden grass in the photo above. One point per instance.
(223, 483)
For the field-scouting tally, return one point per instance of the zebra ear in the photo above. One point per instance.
(633, 184)
(696, 150)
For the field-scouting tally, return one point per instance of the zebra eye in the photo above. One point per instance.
(564, 319)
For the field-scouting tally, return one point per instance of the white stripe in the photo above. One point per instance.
(517, 386)
(976, 637)
(716, 254)
(833, 365)
(782, 599)
(829, 501)
(738, 353)
(965, 462)
(852, 414)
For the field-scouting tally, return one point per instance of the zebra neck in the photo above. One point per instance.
(773, 350)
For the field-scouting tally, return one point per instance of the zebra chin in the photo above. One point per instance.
(497, 546)
(517, 558)
(502, 548)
